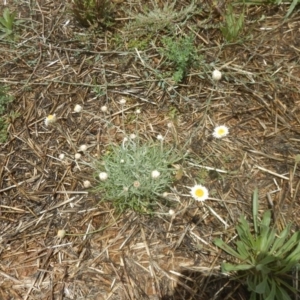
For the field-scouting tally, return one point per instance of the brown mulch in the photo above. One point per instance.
(54, 64)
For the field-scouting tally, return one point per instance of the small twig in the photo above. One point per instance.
(208, 168)
(271, 172)
(216, 215)
(19, 183)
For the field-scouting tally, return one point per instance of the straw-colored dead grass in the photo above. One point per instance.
(54, 65)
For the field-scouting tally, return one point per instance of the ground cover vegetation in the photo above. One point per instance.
(149, 149)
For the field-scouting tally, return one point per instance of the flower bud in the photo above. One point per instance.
(155, 174)
(103, 176)
(216, 75)
(77, 108)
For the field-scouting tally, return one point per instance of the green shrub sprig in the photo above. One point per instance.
(180, 53)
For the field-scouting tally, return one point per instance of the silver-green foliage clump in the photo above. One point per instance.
(155, 19)
(266, 258)
(137, 174)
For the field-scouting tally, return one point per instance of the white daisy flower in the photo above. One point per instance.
(50, 119)
(216, 75)
(220, 131)
(199, 192)
(77, 108)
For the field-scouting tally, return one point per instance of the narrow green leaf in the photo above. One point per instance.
(281, 282)
(2, 21)
(6, 14)
(294, 240)
(280, 239)
(251, 283)
(292, 7)
(7, 20)
(291, 261)
(220, 243)
(288, 266)
(255, 209)
(242, 250)
(262, 286)
(266, 220)
(272, 293)
(268, 259)
(270, 237)
(282, 294)
(10, 21)
(263, 269)
(227, 267)
(244, 232)
(295, 254)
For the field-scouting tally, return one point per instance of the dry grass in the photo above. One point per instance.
(53, 65)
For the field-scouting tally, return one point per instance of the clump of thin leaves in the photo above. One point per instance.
(265, 259)
(233, 25)
(156, 18)
(134, 175)
(92, 13)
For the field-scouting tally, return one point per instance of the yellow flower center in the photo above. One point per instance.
(199, 193)
(221, 131)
